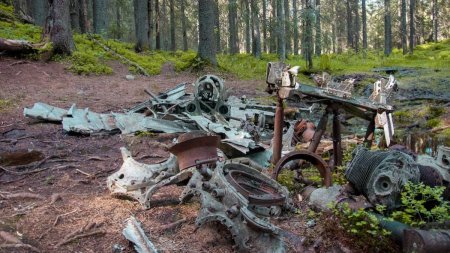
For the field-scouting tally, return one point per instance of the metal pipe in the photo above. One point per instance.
(337, 148)
(320, 130)
(278, 132)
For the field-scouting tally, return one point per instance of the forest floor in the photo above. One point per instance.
(71, 192)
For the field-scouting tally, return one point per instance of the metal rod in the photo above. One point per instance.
(320, 130)
(278, 132)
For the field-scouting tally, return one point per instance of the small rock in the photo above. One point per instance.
(130, 77)
(310, 223)
(117, 248)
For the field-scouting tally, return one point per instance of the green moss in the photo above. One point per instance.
(5, 104)
(432, 123)
(18, 31)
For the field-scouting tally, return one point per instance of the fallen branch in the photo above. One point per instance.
(79, 236)
(61, 215)
(107, 49)
(25, 195)
(19, 245)
(16, 46)
(84, 173)
(173, 225)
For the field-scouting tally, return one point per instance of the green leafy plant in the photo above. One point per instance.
(422, 204)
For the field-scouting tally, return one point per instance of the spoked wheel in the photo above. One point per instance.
(312, 158)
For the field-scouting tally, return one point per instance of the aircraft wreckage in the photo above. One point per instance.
(227, 142)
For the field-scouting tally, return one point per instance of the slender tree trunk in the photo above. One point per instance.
(318, 41)
(164, 25)
(183, 25)
(75, 16)
(403, 27)
(84, 20)
(349, 24)
(118, 34)
(273, 28)
(412, 29)
(333, 26)
(157, 26)
(217, 25)
(287, 27)
(246, 9)
(356, 25)
(435, 21)
(281, 31)
(303, 26)
(151, 25)
(206, 46)
(264, 25)
(40, 11)
(295, 24)
(309, 43)
(232, 23)
(364, 24)
(141, 24)
(173, 46)
(58, 27)
(387, 28)
(256, 36)
(100, 9)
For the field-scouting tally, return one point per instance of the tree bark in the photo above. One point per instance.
(141, 24)
(40, 11)
(164, 25)
(356, 25)
(435, 21)
(295, 24)
(150, 24)
(246, 9)
(173, 46)
(308, 44)
(287, 27)
(333, 26)
(412, 29)
(118, 33)
(217, 25)
(256, 35)
(349, 24)
(364, 24)
(318, 41)
(264, 25)
(232, 20)
(403, 27)
(100, 9)
(75, 16)
(84, 20)
(387, 28)
(157, 26)
(206, 46)
(273, 28)
(58, 27)
(281, 31)
(183, 25)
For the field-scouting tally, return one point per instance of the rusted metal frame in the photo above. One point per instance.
(278, 131)
(320, 130)
(370, 133)
(337, 146)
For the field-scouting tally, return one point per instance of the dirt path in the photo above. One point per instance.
(66, 199)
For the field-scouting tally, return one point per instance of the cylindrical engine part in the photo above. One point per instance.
(423, 241)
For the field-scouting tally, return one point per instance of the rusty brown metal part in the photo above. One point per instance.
(368, 139)
(310, 157)
(303, 131)
(278, 132)
(337, 147)
(255, 189)
(193, 147)
(320, 130)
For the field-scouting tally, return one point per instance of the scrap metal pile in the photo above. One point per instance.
(222, 156)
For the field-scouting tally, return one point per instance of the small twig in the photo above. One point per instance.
(18, 62)
(84, 173)
(22, 195)
(61, 215)
(173, 225)
(76, 237)
(96, 158)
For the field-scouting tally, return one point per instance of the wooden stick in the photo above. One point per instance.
(76, 237)
(19, 245)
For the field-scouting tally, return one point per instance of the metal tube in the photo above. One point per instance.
(320, 130)
(278, 132)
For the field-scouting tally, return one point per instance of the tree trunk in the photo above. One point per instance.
(75, 16)
(333, 26)
(318, 41)
(150, 24)
(173, 46)
(84, 20)
(40, 11)
(264, 25)
(157, 26)
(308, 43)
(256, 36)
(287, 27)
(364, 24)
(403, 27)
(356, 25)
(206, 46)
(232, 20)
(295, 24)
(273, 28)
(387, 28)
(183, 25)
(217, 25)
(435, 21)
(165, 34)
(246, 9)
(118, 34)
(141, 24)
(100, 9)
(281, 31)
(349, 24)
(58, 27)
(412, 29)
